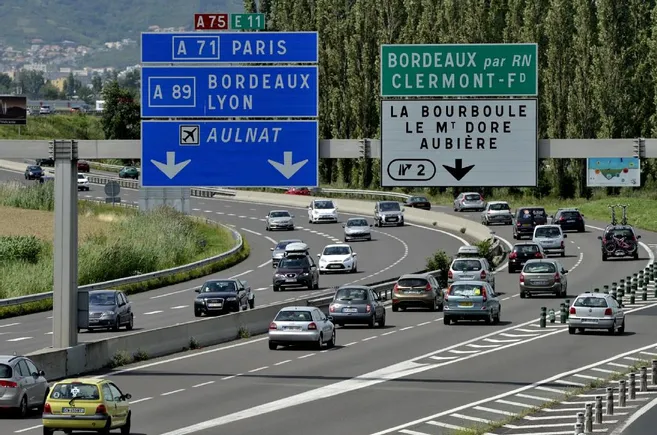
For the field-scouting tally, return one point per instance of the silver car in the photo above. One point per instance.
(22, 385)
(278, 251)
(357, 229)
(279, 220)
(497, 212)
(596, 311)
(110, 309)
(301, 325)
(469, 201)
(470, 269)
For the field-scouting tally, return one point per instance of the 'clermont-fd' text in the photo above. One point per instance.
(460, 127)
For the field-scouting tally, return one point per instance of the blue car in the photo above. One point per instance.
(471, 300)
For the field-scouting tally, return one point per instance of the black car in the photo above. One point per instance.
(296, 271)
(46, 162)
(522, 252)
(418, 202)
(619, 241)
(526, 219)
(33, 172)
(569, 219)
(219, 296)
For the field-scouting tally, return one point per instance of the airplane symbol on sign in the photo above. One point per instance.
(190, 135)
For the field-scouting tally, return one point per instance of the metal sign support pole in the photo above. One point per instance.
(65, 297)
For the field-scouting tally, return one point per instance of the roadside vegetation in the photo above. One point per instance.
(73, 126)
(114, 242)
(441, 260)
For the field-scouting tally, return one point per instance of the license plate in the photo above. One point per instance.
(215, 305)
(291, 280)
(465, 304)
(293, 328)
(539, 282)
(73, 410)
(619, 253)
(589, 320)
(467, 277)
(350, 310)
(413, 292)
(571, 221)
(526, 225)
(334, 266)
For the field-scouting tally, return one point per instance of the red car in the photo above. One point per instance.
(298, 191)
(83, 166)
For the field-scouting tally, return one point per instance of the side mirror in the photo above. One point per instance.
(198, 290)
(638, 237)
(354, 254)
(127, 396)
(564, 271)
(309, 207)
(582, 214)
(382, 296)
(565, 236)
(42, 373)
(319, 255)
(271, 249)
(403, 209)
(330, 318)
(291, 215)
(245, 284)
(599, 237)
(267, 217)
(370, 225)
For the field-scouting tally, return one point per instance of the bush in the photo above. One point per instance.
(20, 248)
(33, 197)
(485, 248)
(440, 261)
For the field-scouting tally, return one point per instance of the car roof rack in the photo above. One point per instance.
(613, 208)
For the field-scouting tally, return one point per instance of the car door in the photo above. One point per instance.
(247, 290)
(327, 327)
(121, 404)
(372, 296)
(310, 210)
(490, 273)
(619, 313)
(25, 380)
(313, 268)
(40, 384)
(493, 297)
(241, 293)
(108, 400)
(562, 274)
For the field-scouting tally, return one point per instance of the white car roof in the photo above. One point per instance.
(498, 202)
(336, 245)
(323, 200)
(547, 226)
(278, 211)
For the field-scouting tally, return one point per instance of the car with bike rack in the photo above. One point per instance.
(619, 239)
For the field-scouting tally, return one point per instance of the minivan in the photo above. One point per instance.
(526, 219)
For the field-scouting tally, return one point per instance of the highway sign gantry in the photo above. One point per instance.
(229, 153)
(438, 143)
(229, 91)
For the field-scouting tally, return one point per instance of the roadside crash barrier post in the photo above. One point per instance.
(588, 418)
(567, 302)
(644, 291)
(635, 277)
(552, 316)
(580, 420)
(598, 409)
(643, 379)
(562, 314)
(654, 372)
(632, 386)
(614, 286)
(622, 393)
(596, 290)
(579, 427)
(610, 401)
(541, 321)
(606, 289)
(628, 284)
(632, 297)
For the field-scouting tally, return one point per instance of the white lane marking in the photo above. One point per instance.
(168, 393)
(261, 289)
(241, 274)
(551, 390)
(369, 338)
(231, 377)
(271, 240)
(407, 328)
(31, 428)
(143, 399)
(48, 333)
(638, 414)
(493, 411)
(593, 378)
(529, 396)
(259, 369)
(569, 383)
(483, 346)
(412, 432)
(306, 356)
(264, 264)
(174, 293)
(463, 351)
(202, 384)
(445, 425)
(207, 211)
(493, 340)
(283, 362)
(388, 333)
(519, 335)
(14, 324)
(423, 323)
(178, 307)
(153, 312)
(477, 419)
(251, 231)
(518, 404)
(19, 338)
(597, 369)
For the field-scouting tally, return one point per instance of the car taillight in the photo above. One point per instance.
(484, 295)
(518, 224)
(47, 409)
(312, 326)
(561, 219)
(522, 277)
(395, 289)
(482, 275)
(608, 312)
(428, 288)
(8, 384)
(100, 409)
(331, 308)
(513, 255)
(450, 275)
(369, 308)
(579, 218)
(557, 278)
(538, 255)
(273, 325)
(572, 310)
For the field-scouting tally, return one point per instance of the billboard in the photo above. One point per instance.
(613, 172)
(13, 110)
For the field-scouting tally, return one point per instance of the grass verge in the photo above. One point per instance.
(593, 385)
(78, 126)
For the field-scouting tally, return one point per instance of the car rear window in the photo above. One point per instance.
(499, 207)
(465, 290)
(623, 233)
(472, 197)
(466, 265)
(531, 214)
(412, 282)
(75, 390)
(591, 302)
(550, 232)
(351, 294)
(526, 249)
(294, 316)
(540, 268)
(5, 371)
(570, 214)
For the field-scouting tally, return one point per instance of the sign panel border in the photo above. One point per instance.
(457, 100)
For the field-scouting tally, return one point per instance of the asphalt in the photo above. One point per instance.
(646, 423)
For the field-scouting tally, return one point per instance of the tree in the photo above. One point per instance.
(86, 94)
(131, 81)
(250, 6)
(69, 86)
(121, 117)
(31, 83)
(97, 84)
(6, 83)
(50, 92)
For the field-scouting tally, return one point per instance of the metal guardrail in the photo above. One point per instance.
(137, 278)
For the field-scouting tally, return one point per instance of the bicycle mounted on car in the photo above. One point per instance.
(619, 239)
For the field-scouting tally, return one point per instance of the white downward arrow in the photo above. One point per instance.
(170, 168)
(287, 168)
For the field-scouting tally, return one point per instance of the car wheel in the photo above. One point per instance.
(604, 257)
(382, 321)
(395, 308)
(636, 255)
(511, 270)
(331, 342)
(267, 228)
(612, 330)
(252, 303)
(276, 288)
(400, 224)
(131, 323)
(22, 409)
(272, 346)
(369, 238)
(197, 313)
(447, 320)
(354, 268)
(372, 322)
(48, 431)
(496, 319)
(571, 330)
(316, 285)
(563, 253)
(434, 306)
(108, 427)
(621, 328)
(117, 324)
(125, 429)
(346, 240)
(490, 319)
(522, 295)
(319, 342)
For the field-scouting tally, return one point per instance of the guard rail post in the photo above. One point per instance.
(580, 419)
(643, 379)
(596, 290)
(588, 418)
(621, 289)
(644, 290)
(632, 297)
(606, 289)
(578, 429)
(632, 386)
(635, 277)
(541, 321)
(654, 372)
(622, 393)
(628, 285)
(598, 409)
(562, 313)
(610, 401)
(567, 302)
(614, 286)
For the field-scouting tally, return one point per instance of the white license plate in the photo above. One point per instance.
(73, 410)
(293, 328)
(291, 280)
(570, 221)
(350, 310)
(589, 320)
(467, 277)
(215, 305)
(539, 282)
(619, 253)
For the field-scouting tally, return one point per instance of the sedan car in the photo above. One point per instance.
(33, 172)
(279, 220)
(24, 386)
(86, 405)
(356, 305)
(357, 229)
(469, 201)
(569, 219)
(220, 296)
(471, 300)
(83, 166)
(278, 251)
(129, 172)
(420, 202)
(322, 210)
(338, 258)
(110, 309)
(417, 290)
(596, 311)
(543, 276)
(83, 182)
(497, 212)
(301, 325)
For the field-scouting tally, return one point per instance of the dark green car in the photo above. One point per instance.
(129, 172)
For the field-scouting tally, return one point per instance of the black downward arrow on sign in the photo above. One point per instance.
(458, 171)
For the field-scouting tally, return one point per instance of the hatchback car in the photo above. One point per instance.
(544, 276)
(619, 241)
(33, 172)
(279, 220)
(526, 219)
(470, 269)
(357, 304)
(83, 166)
(296, 269)
(83, 182)
(420, 290)
(357, 229)
(388, 213)
(278, 251)
(22, 385)
(338, 258)
(86, 404)
(497, 212)
(110, 309)
(596, 311)
(522, 252)
(551, 238)
(301, 325)
(322, 210)
(129, 172)
(420, 202)
(219, 296)
(469, 201)
(569, 219)
(471, 300)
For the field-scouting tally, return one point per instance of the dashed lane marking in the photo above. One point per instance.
(153, 312)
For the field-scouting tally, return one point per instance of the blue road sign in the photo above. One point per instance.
(229, 153)
(240, 91)
(230, 47)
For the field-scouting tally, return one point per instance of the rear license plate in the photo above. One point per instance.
(350, 310)
(291, 280)
(73, 410)
(539, 282)
(526, 225)
(215, 305)
(465, 304)
(619, 253)
(293, 328)
(467, 277)
(571, 221)
(589, 320)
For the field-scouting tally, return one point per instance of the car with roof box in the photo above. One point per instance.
(22, 385)
(357, 305)
(278, 251)
(569, 219)
(296, 269)
(417, 290)
(388, 213)
(497, 212)
(470, 269)
(523, 252)
(543, 276)
(468, 251)
(598, 311)
(526, 219)
(471, 300)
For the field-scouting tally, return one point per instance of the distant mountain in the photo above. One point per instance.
(94, 22)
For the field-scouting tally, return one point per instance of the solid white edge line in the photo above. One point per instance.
(634, 417)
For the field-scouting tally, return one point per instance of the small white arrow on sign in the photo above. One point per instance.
(287, 168)
(171, 168)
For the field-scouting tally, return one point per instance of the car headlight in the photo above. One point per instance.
(323, 261)
(231, 299)
(305, 274)
(108, 314)
(279, 275)
(347, 260)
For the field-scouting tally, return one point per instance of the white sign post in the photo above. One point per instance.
(440, 143)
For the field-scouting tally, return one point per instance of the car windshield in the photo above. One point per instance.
(5, 371)
(389, 206)
(473, 197)
(351, 294)
(466, 265)
(80, 177)
(102, 299)
(620, 233)
(278, 214)
(34, 168)
(549, 232)
(293, 263)
(465, 290)
(591, 302)
(281, 245)
(75, 390)
(357, 223)
(540, 268)
(412, 282)
(294, 316)
(324, 205)
(219, 286)
(499, 207)
(337, 250)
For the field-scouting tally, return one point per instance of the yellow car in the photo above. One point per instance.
(86, 404)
